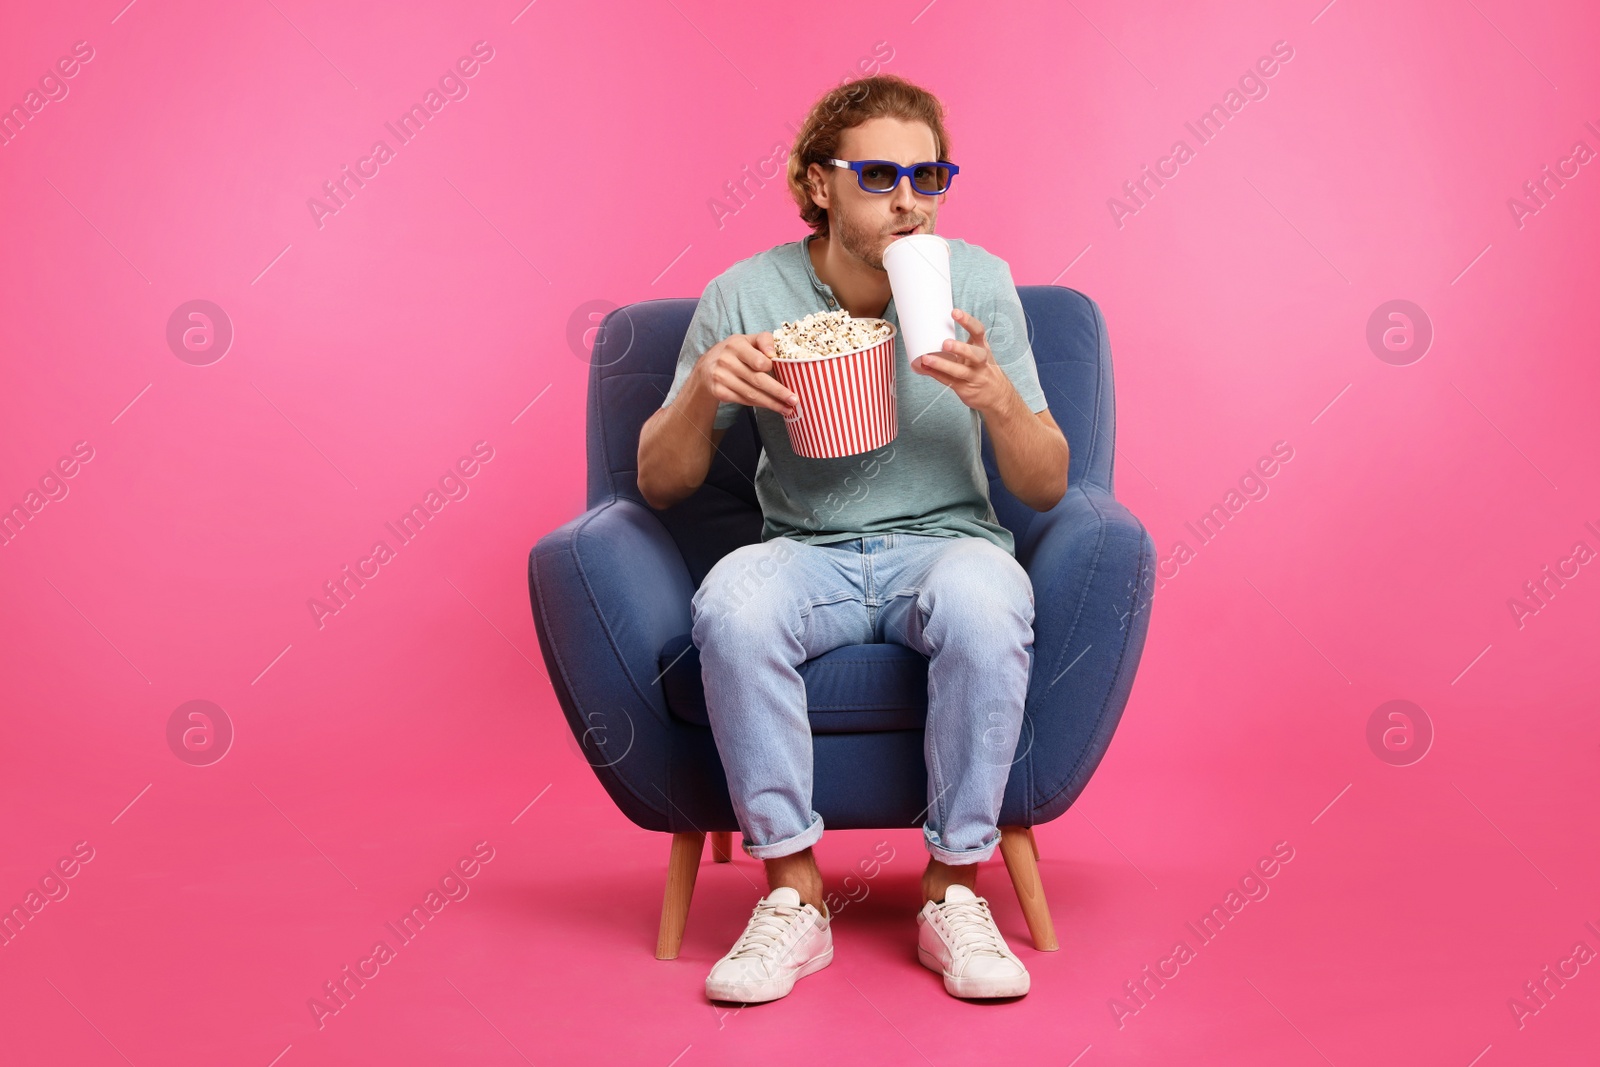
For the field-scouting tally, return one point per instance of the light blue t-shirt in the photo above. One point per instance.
(930, 479)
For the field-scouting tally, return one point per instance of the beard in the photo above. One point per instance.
(867, 243)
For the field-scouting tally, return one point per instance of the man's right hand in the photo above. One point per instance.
(738, 371)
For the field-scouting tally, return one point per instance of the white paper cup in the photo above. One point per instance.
(847, 403)
(919, 277)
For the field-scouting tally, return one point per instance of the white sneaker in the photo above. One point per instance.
(783, 942)
(959, 939)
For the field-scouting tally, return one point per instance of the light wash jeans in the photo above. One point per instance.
(764, 609)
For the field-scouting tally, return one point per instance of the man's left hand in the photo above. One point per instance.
(969, 368)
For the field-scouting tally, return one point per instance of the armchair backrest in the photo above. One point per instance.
(636, 353)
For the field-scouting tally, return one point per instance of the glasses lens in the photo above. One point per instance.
(931, 178)
(877, 177)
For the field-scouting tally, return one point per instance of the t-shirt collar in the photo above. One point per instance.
(825, 290)
(822, 287)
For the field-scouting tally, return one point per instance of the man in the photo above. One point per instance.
(901, 544)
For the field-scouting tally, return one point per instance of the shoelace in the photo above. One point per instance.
(972, 928)
(766, 931)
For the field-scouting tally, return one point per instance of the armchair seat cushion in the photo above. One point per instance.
(855, 689)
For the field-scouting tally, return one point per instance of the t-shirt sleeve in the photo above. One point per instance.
(1007, 331)
(708, 327)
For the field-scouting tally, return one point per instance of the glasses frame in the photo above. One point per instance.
(900, 172)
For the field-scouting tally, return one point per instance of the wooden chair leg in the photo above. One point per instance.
(1034, 842)
(722, 846)
(1023, 866)
(681, 870)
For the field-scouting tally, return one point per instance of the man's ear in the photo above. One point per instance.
(817, 185)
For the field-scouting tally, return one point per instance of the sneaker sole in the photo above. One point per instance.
(773, 988)
(974, 988)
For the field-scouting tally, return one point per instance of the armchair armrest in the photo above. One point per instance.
(1092, 566)
(609, 589)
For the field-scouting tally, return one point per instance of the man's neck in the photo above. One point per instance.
(862, 291)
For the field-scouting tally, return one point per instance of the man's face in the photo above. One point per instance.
(864, 223)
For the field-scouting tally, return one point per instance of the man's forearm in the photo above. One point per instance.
(1032, 456)
(675, 446)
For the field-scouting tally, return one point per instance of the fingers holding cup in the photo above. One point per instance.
(976, 333)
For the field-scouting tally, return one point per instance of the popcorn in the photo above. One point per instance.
(827, 333)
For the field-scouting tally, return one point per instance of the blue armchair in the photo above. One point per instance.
(610, 592)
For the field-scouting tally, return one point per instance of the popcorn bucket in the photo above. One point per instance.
(846, 403)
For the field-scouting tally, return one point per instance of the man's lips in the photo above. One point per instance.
(907, 231)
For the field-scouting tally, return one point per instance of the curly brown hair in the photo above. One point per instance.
(848, 105)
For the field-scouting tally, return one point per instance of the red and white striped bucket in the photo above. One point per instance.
(846, 402)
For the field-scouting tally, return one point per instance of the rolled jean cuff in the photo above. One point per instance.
(962, 856)
(789, 845)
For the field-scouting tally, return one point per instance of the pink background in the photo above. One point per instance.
(371, 353)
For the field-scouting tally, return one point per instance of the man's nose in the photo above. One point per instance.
(904, 197)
